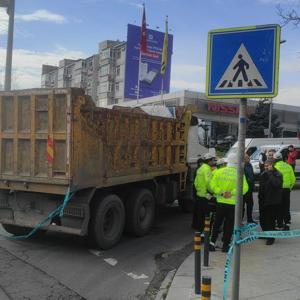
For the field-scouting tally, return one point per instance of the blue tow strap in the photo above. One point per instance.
(247, 234)
(59, 211)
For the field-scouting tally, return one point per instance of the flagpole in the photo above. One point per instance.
(164, 60)
(162, 88)
(138, 83)
(143, 49)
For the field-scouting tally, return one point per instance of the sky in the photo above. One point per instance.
(47, 31)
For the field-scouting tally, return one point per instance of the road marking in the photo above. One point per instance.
(95, 252)
(111, 261)
(135, 276)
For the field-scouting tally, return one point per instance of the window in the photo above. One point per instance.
(118, 54)
(105, 53)
(104, 70)
(117, 86)
(103, 87)
(118, 70)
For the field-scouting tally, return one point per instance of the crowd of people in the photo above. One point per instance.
(215, 186)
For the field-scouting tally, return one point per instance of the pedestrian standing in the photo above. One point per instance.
(223, 185)
(262, 158)
(292, 156)
(269, 197)
(289, 179)
(248, 197)
(203, 176)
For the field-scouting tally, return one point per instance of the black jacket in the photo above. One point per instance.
(270, 188)
(249, 174)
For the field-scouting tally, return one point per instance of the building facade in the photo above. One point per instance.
(81, 73)
(111, 75)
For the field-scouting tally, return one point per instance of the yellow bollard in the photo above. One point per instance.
(206, 241)
(197, 250)
(206, 288)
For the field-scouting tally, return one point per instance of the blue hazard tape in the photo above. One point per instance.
(59, 211)
(247, 234)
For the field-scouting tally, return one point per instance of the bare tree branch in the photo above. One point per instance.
(288, 16)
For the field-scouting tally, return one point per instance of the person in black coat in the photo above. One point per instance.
(269, 197)
(248, 197)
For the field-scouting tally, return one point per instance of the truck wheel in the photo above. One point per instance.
(108, 221)
(20, 230)
(140, 212)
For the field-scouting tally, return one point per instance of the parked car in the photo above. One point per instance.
(252, 144)
(254, 159)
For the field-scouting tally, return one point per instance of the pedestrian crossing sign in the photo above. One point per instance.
(243, 62)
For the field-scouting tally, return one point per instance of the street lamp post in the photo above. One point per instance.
(271, 108)
(10, 5)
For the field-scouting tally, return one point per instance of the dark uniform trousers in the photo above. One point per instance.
(268, 216)
(224, 213)
(201, 210)
(284, 216)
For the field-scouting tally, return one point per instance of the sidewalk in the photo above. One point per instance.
(267, 272)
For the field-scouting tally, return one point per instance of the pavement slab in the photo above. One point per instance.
(267, 272)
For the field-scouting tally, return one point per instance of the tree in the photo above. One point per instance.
(259, 120)
(288, 16)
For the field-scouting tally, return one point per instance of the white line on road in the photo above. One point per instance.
(95, 252)
(135, 276)
(111, 261)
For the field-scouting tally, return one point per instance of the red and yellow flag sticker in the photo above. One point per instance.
(50, 149)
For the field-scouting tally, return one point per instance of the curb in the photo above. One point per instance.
(166, 284)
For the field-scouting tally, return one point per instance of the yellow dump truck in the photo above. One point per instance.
(118, 164)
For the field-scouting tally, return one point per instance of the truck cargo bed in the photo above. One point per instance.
(50, 139)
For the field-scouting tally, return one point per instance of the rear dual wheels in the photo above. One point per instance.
(140, 212)
(108, 220)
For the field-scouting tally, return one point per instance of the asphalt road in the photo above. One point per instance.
(134, 269)
(62, 267)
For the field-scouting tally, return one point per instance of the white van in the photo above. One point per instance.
(251, 145)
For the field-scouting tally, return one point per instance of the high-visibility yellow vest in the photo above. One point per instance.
(202, 180)
(288, 174)
(224, 180)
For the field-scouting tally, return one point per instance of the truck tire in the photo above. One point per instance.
(140, 212)
(108, 221)
(20, 230)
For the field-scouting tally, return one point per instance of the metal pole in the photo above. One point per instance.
(197, 250)
(9, 51)
(270, 119)
(139, 74)
(239, 200)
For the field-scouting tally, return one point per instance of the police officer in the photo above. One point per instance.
(223, 185)
(203, 177)
(289, 179)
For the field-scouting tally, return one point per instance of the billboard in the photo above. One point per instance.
(151, 81)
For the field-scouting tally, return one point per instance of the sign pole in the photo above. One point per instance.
(270, 119)
(239, 200)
